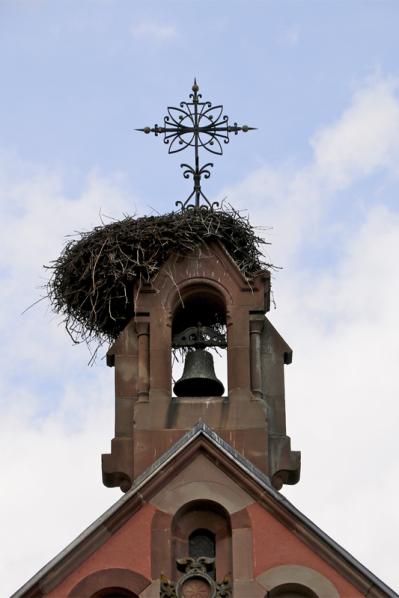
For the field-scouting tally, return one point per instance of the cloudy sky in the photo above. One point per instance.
(320, 80)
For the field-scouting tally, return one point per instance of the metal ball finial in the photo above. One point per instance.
(195, 86)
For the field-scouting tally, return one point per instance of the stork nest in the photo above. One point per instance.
(91, 283)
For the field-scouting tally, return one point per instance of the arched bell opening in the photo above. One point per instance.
(199, 343)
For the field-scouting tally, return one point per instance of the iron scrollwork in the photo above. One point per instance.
(196, 581)
(199, 125)
(199, 337)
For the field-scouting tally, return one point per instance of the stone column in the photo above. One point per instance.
(255, 329)
(143, 382)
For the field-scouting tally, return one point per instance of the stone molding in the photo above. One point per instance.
(305, 576)
(109, 578)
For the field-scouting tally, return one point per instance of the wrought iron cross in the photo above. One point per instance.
(199, 125)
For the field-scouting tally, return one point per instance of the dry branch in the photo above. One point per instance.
(91, 283)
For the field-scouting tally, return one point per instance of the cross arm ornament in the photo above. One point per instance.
(199, 125)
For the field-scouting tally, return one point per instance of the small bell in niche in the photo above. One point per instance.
(199, 378)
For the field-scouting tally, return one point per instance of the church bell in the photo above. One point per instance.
(199, 378)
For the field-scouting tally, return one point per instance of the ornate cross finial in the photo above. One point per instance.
(199, 125)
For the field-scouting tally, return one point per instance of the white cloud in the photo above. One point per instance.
(50, 466)
(365, 137)
(56, 414)
(149, 30)
(37, 217)
(341, 389)
(342, 323)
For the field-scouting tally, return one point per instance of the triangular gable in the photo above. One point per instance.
(219, 253)
(267, 507)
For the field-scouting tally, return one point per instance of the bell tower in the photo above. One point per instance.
(199, 298)
(196, 301)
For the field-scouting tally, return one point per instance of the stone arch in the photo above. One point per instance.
(170, 533)
(291, 590)
(97, 584)
(161, 542)
(115, 593)
(213, 291)
(193, 285)
(217, 489)
(199, 302)
(205, 515)
(295, 577)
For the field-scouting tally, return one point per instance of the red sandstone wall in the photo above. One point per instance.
(128, 548)
(274, 545)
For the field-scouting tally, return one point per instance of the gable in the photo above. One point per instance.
(260, 537)
(211, 264)
(211, 259)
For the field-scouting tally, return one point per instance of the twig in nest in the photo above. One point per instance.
(91, 283)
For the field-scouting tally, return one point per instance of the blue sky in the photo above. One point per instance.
(78, 77)
(320, 80)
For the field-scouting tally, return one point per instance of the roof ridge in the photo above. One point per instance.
(202, 429)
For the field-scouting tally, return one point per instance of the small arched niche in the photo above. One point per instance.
(110, 583)
(296, 581)
(203, 528)
(114, 593)
(199, 307)
(291, 590)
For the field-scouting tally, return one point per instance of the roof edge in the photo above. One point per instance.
(98, 529)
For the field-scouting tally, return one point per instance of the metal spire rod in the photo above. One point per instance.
(199, 125)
